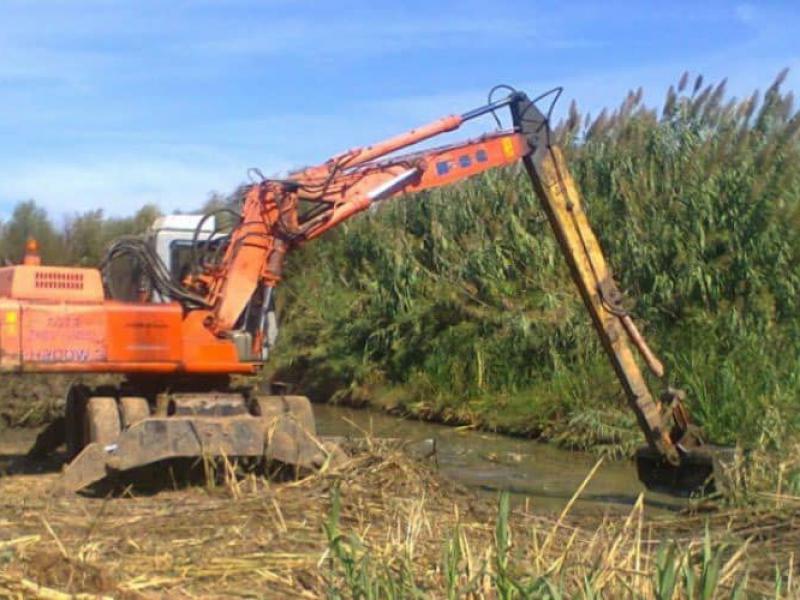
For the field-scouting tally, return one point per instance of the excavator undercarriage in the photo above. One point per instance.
(107, 431)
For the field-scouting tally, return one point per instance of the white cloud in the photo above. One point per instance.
(120, 185)
(745, 12)
(86, 86)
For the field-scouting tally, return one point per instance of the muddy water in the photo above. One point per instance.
(540, 473)
(548, 476)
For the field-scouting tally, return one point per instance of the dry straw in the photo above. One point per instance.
(381, 525)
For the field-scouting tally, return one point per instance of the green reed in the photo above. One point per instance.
(457, 305)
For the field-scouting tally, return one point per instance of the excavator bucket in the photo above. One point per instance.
(703, 471)
(276, 428)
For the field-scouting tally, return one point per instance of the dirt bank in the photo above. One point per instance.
(33, 400)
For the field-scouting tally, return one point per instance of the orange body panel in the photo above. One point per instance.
(143, 332)
(42, 331)
(66, 333)
(203, 352)
(34, 282)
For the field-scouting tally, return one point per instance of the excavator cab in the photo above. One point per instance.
(177, 239)
(183, 245)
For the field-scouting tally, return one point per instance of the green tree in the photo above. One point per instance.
(87, 236)
(29, 220)
(84, 237)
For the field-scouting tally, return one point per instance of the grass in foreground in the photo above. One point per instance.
(526, 557)
(381, 526)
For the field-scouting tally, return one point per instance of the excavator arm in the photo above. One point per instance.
(279, 215)
(592, 276)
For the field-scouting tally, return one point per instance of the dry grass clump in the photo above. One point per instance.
(381, 525)
(32, 400)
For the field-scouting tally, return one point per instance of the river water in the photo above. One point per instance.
(546, 475)
(533, 471)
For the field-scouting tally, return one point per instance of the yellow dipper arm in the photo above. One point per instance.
(561, 201)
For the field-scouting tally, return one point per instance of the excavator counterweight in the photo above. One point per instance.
(196, 306)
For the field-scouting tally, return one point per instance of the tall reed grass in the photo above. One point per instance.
(457, 305)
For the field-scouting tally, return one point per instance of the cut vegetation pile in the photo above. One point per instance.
(31, 400)
(380, 526)
(34, 400)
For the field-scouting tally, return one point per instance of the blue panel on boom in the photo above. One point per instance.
(464, 160)
(442, 168)
(481, 156)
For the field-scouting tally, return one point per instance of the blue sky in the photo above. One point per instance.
(111, 104)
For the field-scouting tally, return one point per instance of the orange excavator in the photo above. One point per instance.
(194, 307)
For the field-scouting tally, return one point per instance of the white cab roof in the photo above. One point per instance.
(184, 223)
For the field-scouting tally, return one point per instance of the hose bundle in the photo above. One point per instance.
(142, 254)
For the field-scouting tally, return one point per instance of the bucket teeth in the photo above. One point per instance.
(703, 471)
(89, 466)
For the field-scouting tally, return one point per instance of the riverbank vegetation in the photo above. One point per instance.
(456, 304)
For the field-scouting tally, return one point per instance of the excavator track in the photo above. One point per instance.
(123, 432)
